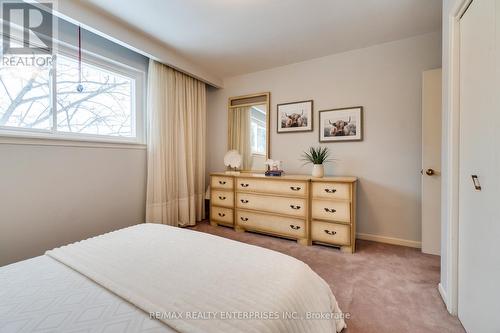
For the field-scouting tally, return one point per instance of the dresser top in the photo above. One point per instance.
(346, 179)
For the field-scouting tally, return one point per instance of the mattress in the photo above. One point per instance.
(43, 295)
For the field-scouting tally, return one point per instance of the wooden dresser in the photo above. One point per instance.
(309, 210)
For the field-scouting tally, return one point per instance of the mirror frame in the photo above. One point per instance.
(267, 102)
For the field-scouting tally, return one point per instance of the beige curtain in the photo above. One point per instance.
(240, 136)
(176, 147)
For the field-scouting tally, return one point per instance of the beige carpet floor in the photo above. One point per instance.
(385, 288)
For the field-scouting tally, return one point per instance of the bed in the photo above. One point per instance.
(156, 278)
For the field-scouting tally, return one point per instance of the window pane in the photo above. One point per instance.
(104, 107)
(258, 131)
(25, 97)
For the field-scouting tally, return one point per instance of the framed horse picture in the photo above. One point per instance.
(295, 117)
(345, 124)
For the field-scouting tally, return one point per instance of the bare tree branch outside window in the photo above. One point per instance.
(103, 108)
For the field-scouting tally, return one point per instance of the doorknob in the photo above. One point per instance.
(430, 172)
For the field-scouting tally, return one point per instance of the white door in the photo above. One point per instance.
(431, 161)
(479, 207)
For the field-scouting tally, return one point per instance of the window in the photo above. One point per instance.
(258, 130)
(25, 98)
(104, 107)
(45, 101)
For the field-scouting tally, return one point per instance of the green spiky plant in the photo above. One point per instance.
(316, 155)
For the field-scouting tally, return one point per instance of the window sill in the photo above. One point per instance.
(40, 140)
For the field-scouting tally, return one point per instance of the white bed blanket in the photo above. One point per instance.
(43, 295)
(196, 282)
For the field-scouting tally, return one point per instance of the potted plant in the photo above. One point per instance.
(317, 156)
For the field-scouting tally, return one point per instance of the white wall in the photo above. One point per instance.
(54, 195)
(386, 80)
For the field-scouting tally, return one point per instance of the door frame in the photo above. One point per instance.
(450, 154)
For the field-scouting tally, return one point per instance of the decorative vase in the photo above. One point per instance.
(318, 170)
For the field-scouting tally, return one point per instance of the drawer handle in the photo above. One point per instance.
(330, 210)
(222, 214)
(295, 188)
(244, 219)
(294, 207)
(222, 182)
(295, 227)
(331, 233)
(327, 190)
(243, 201)
(222, 198)
(244, 185)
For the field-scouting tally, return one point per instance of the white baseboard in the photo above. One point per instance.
(389, 240)
(442, 292)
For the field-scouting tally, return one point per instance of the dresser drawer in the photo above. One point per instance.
(222, 198)
(332, 233)
(224, 215)
(222, 182)
(280, 205)
(269, 223)
(272, 186)
(331, 190)
(331, 210)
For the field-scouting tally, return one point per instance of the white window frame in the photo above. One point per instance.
(51, 136)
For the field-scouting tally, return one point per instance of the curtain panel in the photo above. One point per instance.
(240, 135)
(176, 147)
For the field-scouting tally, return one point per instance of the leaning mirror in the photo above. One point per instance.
(248, 129)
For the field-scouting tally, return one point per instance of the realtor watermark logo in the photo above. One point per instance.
(248, 315)
(27, 33)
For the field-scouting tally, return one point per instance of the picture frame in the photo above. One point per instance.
(341, 125)
(295, 117)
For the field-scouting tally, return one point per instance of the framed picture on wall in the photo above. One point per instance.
(345, 124)
(295, 117)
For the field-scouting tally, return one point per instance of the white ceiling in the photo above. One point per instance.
(231, 37)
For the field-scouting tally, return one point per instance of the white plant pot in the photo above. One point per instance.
(318, 170)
